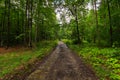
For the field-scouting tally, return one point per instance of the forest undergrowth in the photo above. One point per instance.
(10, 62)
(104, 60)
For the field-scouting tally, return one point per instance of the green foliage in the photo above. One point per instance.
(105, 61)
(66, 41)
(43, 23)
(11, 61)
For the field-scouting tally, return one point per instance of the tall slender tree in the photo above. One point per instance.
(77, 24)
(96, 19)
(30, 22)
(110, 23)
(7, 11)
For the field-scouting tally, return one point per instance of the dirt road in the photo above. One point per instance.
(62, 65)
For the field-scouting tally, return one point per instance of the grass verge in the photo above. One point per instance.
(20, 62)
(105, 61)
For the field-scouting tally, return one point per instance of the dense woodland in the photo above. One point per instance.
(90, 27)
(30, 21)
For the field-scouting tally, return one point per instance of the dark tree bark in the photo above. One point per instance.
(7, 4)
(4, 24)
(77, 25)
(30, 23)
(36, 32)
(94, 36)
(37, 23)
(118, 3)
(26, 26)
(23, 27)
(29, 5)
(74, 12)
(110, 23)
(17, 26)
(96, 19)
(26, 23)
(1, 32)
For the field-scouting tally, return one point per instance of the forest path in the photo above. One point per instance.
(62, 64)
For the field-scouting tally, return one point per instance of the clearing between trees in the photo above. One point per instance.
(62, 64)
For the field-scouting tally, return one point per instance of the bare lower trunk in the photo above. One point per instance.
(1, 33)
(96, 18)
(109, 14)
(30, 22)
(36, 32)
(8, 24)
(94, 36)
(30, 32)
(77, 27)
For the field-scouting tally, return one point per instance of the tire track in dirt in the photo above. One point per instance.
(63, 64)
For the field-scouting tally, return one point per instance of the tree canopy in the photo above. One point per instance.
(30, 21)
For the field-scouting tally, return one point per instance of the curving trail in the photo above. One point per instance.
(63, 64)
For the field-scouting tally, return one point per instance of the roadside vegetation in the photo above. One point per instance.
(93, 25)
(10, 62)
(104, 61)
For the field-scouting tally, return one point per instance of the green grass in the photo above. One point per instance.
(105, 61)
(10, 61)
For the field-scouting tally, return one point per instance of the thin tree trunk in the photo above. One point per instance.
(1, 34)
(36, 29)
(96, 18)
(35, 38)
(30, 23)
(4, 23)
(111, 33)
(23, 25)
(8, 24)
(23, 20)
(17, 26)
(94, 36)
(26, 25)
(104, 16)
(77, 27)
(118, 4)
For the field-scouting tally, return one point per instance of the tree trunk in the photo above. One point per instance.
(35, 38)
(8, 23)
(30, 5)
(23, 26)
(111, 33)
(36, 28)
(26, 24)
(96, 18)
(1, 34)
(4, 24)
(77, 27)
(94, 36)
(17, 26)
(31, 23)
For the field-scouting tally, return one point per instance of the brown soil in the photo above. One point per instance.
(63, 64)
(12, 49)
